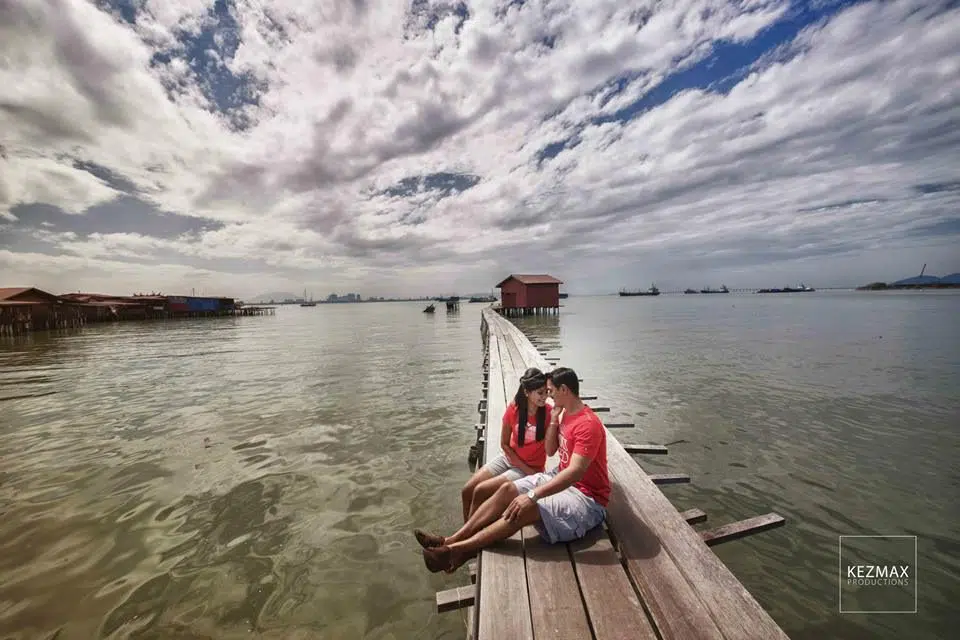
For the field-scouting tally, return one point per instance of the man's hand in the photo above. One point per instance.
(520, 506)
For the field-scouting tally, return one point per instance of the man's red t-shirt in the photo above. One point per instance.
(532, 452)
(584, 433)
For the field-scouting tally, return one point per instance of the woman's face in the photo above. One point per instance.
(537, 397)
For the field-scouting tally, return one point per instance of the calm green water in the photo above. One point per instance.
(259, 477)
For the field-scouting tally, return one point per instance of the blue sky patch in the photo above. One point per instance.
(727, 63)
(442, 183)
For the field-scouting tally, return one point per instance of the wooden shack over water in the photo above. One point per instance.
(27, 309)
(522, 294)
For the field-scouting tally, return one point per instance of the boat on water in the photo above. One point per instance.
(307, 302)
(430, 308)
(801, 289)
(483, 299)
(564, 296)
(722, 289)
(690, 291)
(652, 291)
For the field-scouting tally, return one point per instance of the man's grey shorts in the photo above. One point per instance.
(501, 466)
(564, 516)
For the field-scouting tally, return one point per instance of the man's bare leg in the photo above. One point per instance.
(485, 514)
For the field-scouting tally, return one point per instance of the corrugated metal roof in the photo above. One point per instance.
(8, 292)
(540, 278)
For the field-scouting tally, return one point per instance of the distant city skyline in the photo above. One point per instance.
(409, 150)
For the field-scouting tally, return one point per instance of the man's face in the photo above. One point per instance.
(556, 393)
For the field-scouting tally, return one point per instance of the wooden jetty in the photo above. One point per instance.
(646, 574)
(24, 310)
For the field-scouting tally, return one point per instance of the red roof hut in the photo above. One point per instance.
(529, 294)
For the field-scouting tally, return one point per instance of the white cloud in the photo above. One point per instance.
(351, 98)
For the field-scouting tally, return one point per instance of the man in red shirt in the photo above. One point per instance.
(563, 504)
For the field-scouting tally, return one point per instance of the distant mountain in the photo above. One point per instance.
(276, 296)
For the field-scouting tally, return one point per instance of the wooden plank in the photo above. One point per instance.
(600, 409)
(694, 516)
(619, 425)
(646, 448)
(585, 398)
(661, 550)
(669, 478)
(456, 598)
(612, 604)
(742, 529)
(504, 602)
(503, 606)
(558, 612)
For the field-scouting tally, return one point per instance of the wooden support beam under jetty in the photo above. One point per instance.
(456, 598)
(694, 516)
(669, 478)
(655, 449)
(742, 529)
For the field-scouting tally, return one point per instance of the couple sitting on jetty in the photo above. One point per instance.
(514, 490)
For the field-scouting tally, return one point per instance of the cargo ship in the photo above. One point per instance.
(652, 291)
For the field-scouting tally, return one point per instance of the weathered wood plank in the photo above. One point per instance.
(646, 448)
(503, 608)
(653, 529)
(558, 610)
(669, 478)
(742, 529)
(612, 604)
(455, 598)
(694, 516)
(673, 602)
(504, 602)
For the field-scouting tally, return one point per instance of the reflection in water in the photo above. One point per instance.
(233, 477)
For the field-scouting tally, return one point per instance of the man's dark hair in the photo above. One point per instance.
(565, 376)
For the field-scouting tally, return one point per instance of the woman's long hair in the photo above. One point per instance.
(531, 380)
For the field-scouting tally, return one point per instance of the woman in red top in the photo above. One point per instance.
(524, 450)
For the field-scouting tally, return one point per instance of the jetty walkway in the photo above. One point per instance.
(646, 574)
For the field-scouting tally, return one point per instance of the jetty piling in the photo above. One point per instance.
(647, 573)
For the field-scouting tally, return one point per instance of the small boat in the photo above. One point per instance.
(306, 302)
(564, 296)
(430, 308)
(652, 291)
(690, 291)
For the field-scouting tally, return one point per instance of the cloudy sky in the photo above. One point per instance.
(435, 146)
